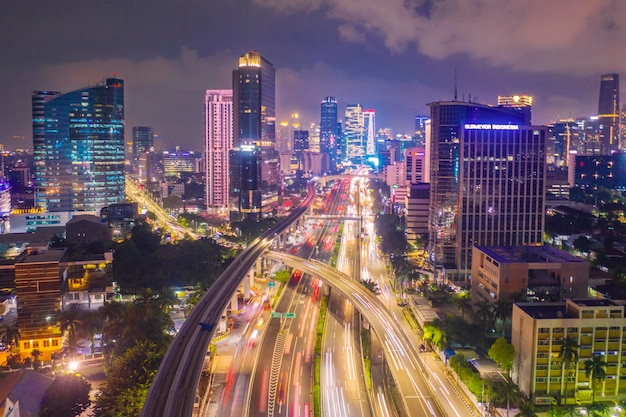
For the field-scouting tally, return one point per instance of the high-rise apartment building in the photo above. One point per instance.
(354, 127)
(609, 114)
(254, 124)
(329, 134)
(78, 144)
(487, 173)
(369, 131)
(218, 141)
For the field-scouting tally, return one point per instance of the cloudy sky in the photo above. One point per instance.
(391, 55)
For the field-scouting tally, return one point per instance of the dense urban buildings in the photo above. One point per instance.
(487, 173)
(78, 140)
(218, 140)
(255, 176)
(599, 171)
(598, 329)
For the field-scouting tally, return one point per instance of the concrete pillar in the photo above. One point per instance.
(247, 283)
(258, 267)
(234, 305)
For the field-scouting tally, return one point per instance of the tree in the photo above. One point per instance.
(484, 312)
(599, 409)
(70, 323)
(568, 355)
(36, 354)
(503, 310)
(503, 353)
(526, 409)
(507, 392)
(67, 396)
(464, 305)
(10, 335)
(595, 371)
(435, 334)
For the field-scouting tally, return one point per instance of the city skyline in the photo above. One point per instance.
(394, 57)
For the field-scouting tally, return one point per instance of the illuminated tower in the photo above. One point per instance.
(369, 132)
(354, 134)
(254, 125)
(329, 134)
(218, 140)
(608, 113)
(78, 141)
(487, 174)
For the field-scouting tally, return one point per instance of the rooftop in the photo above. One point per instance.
(525, 254)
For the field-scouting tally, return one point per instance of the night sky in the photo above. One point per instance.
(390, 55)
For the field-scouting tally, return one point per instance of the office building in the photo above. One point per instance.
(416, 217)
(564, 137)
(180, 161)
(541, 273)
(599, 328)
(599, 171)
(300, 146)
(142, 159)
(609, 113)
(369, 132)
(254, 120)
(329, 134)
(78, 140)
(487, 174)
(354, 131)
(419, 136)
(143, 140)
(415, 165)
(218, 139)
(521, 104)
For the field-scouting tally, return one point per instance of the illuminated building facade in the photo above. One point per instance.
(354, 131)
(519, 103)
(329, 133)
(420, 130)
(599, 328)
(300, 146)
(487, 174)
(600, 171)
(369, 131)
(179, 161)
(254, 124)
(143, 152)
(218, 134)
(78, 141)
(609, 114)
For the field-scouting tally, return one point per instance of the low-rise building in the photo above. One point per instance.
(542, 273)
(599, 328)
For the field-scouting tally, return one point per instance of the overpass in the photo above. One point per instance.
(173, 390)
(400, 351)
(329, 178)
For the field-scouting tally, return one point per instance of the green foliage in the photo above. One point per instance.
(282, 276)
(526, 409)
(125, 388)
(390, 229)
(434, 333)
(503, 353)
(67, 396)
(465, 372)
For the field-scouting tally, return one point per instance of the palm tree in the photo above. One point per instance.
(594, 370)
(92, 324)
(484, 312)
(509, 392)
(599, 409)
(70, 323)
(568, 355)
(10, 335)
(464, 305)
(503, 310)
(526, 409)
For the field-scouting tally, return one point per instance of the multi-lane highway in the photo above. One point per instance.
(173, 390)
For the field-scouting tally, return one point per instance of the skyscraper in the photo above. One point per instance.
(487, 174)
(143, 152)
(218, 141)
(369, 132)
(329, 134)
(354, 134)
(254, 124)
(78, 143)
(520, 103)
(608, 113)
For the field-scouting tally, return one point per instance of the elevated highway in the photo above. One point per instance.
(173, 391)
(406, 365)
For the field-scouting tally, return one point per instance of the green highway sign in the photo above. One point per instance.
(276, 314)
(289, 315)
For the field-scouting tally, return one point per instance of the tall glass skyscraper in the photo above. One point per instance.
(487, 176)
(78, 143)
(609, 114)
(254, 124)
(329, 133)
(354, 134)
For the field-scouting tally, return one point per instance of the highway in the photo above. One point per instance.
(173, 390)
(400, 353)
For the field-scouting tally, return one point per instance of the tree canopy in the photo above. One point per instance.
(67, 396)
(503, 353)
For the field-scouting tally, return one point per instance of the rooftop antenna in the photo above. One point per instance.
(455, 95)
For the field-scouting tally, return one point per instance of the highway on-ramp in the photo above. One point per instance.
(173, 390)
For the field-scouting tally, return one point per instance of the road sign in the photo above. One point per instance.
(289, 315)
(271, 284)
(276, 314)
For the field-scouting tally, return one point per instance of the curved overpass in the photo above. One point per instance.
(399, 347)
(173, 390)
